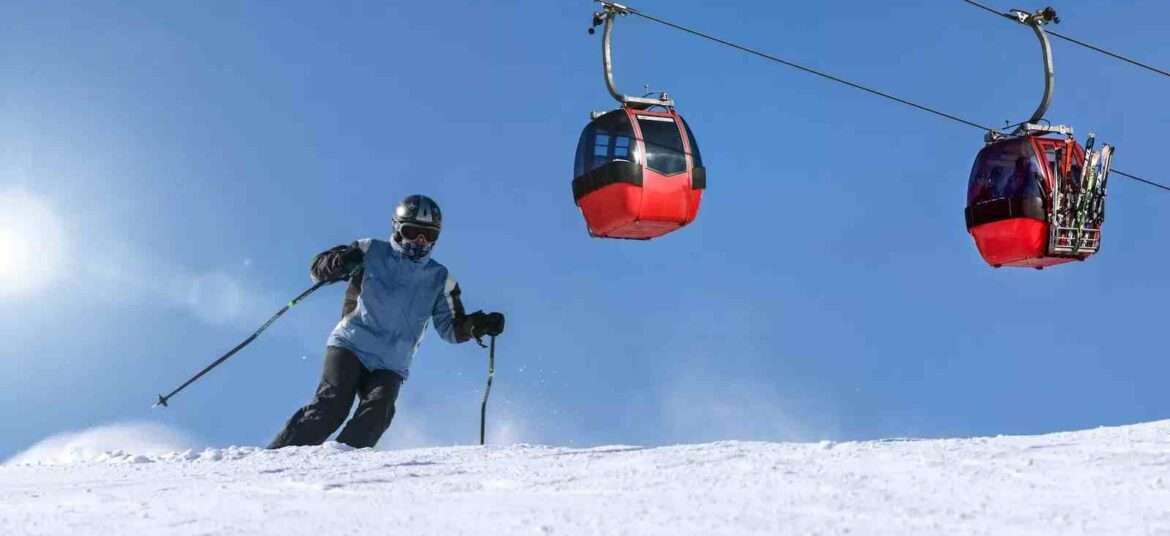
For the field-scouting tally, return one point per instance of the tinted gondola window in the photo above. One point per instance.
(606, 139)
(695, 155)
(664, 148)
(1005, 169)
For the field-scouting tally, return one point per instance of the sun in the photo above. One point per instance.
(31, 244)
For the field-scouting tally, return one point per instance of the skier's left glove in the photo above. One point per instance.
(337, 264)
(481, 324)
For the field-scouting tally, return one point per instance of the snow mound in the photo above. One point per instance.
(132, 442)
(1101, 481)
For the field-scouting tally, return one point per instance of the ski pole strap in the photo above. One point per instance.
(162, 400)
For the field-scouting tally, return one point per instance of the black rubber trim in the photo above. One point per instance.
(1004, 208)
(699, 178)
(610, 173)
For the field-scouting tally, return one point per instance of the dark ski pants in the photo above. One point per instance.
(343, 378)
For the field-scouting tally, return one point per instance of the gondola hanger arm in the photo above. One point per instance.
(1036, 21)
(605, 17)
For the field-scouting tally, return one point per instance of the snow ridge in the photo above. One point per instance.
(1101, 481)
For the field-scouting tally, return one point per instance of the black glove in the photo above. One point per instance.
(485, 324)
(337, 264)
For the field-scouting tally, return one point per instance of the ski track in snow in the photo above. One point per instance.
(1104, 481)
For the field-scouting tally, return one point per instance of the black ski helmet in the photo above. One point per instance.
(420, 211)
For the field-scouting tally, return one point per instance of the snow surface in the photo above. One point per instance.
(1103, 481)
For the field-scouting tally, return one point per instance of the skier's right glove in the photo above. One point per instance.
(337, 264)
(485, 324)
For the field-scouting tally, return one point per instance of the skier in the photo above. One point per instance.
(395, 289)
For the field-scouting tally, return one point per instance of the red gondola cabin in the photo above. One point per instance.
(1033, 200)
(638, 174)
(1031, 203)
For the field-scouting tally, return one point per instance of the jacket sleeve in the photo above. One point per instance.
(449, 317)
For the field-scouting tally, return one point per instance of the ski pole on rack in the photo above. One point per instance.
(162, 400)
(488, 390)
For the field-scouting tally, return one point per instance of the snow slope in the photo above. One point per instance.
(1104, 481)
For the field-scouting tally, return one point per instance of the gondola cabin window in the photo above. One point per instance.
(664, 146)
(1005, 170)
(605, 140)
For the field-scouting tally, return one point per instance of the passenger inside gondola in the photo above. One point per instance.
(1025, 179)
(1005, 171)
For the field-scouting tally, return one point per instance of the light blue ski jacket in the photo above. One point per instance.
(397, 298)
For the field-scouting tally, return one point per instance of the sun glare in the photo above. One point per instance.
(31, 244)
(14, 249)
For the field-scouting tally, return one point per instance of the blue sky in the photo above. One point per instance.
(176, 167)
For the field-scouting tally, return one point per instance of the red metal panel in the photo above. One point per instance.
(665, 198)
(1011, 241)
(611, 208)
(616, 211)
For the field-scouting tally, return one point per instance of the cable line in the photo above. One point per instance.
(810, 70)
(1139, 179)
(1114, 55)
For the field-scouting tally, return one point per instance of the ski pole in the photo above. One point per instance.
(487, 391)
(162, 400)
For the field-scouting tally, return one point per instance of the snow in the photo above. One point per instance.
(105, 442)
(1101, 481)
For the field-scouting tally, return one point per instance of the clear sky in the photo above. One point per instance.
(167, 172)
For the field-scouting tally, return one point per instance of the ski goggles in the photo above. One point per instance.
(412, 232)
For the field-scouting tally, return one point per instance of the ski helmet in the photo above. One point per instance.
(417, 222)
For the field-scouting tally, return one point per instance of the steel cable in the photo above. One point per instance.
(855, 85)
